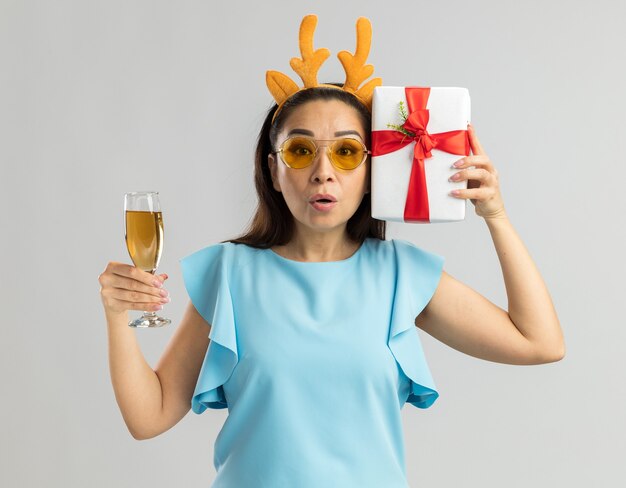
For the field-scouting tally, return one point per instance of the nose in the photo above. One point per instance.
(323, 168)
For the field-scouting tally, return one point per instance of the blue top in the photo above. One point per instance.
(313, 360)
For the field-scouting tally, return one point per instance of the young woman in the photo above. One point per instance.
(313, 315)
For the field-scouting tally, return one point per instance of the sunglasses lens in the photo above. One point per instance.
(298, 152)
(347, 153)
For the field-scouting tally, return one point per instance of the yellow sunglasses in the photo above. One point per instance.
(299, 152)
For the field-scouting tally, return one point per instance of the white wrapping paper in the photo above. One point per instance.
(449, 110)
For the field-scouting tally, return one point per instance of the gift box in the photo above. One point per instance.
(417, 134)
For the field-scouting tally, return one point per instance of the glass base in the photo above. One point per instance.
(149, 319)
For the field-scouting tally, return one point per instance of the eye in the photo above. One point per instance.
(301, 150)
(300, 147)
(348, 148)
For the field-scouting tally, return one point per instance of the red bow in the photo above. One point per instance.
(387, 141)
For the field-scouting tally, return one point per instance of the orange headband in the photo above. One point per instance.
(282, 87)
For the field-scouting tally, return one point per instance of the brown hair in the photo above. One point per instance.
(273, 223)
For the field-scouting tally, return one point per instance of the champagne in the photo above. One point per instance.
(144, 238)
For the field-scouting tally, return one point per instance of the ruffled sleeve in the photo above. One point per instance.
(205, 274)
(418, 274)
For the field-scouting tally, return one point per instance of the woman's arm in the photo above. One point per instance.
(136, 386)
(529, 333)
(153, 401)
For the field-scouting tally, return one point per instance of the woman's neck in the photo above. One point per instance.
(318, 247)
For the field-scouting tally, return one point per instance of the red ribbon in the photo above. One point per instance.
(387, 141)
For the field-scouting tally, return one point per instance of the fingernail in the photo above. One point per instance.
(164, 293)
(458, 163)
(157, 283)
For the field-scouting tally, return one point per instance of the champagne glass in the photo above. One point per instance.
(144, 240)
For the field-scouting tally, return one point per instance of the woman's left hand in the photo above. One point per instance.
(483, 188)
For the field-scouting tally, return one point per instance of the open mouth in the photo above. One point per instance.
(323, 204)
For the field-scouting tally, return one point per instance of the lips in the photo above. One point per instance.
(322, 198)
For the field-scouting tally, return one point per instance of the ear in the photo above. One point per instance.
(272, 163)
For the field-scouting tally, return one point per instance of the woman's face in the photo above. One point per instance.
(321, 119)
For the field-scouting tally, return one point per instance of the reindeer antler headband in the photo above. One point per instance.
(282, 87)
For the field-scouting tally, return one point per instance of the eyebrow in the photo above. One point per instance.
(340, 133)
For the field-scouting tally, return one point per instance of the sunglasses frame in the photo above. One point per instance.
(366, 151)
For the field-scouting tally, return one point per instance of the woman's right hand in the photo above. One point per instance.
(125, 287)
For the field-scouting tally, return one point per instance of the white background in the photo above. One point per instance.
(101, 98)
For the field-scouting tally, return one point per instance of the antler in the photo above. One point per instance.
(354, 65)
(309, 65)
(282, 87)
(279, 84)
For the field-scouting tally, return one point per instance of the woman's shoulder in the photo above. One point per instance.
(214, 250)
(221, 254)
(224, 247)
(399, 248)
(389, 245)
